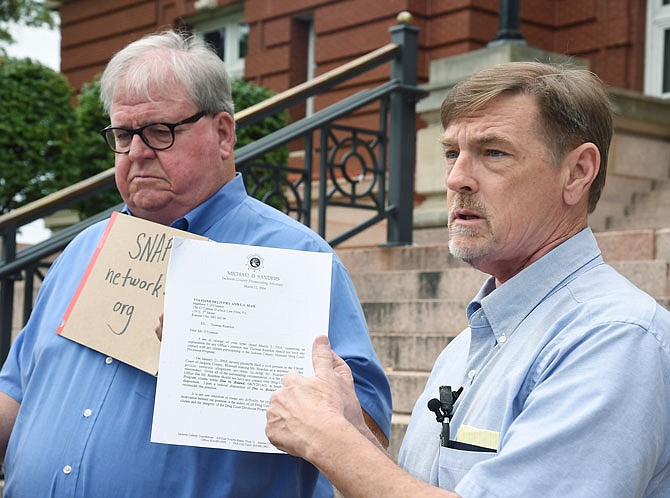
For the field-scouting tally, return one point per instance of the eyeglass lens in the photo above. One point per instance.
(157, 136)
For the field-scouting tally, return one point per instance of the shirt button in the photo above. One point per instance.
(67, 469)
(502, 339)
(109, 360)
(88, 412)
(471, 374)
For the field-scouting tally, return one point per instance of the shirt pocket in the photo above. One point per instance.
(454, 464)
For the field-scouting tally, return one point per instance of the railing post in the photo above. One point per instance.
(7, 293)
(509, 24)
(402, 135)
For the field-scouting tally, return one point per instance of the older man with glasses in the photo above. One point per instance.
(79, 421)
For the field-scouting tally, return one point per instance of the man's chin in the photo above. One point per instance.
(466, 251)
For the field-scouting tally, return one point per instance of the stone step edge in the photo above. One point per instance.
(415, 271)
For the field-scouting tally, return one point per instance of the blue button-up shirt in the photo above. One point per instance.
(565, 370)
(84, 424)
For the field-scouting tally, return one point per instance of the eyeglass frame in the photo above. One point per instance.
(139, 131)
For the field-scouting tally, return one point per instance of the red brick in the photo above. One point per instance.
(539, 11)
(257, 10)
(95, 53)
(609, 33)
(618, 31)
(343, 15)
(341, 45)
(268, 61)
(84, 9)
(580, 38)
(276, 32)
(575, 11)
(616, 61)
(538, 36)
(137, 18)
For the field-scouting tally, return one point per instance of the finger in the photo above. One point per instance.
(291, 378)
(341, 368)
(322, 357)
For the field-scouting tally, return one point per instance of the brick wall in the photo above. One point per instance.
(608, 33)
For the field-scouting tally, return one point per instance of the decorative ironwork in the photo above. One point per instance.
(354, 166)
(279, 186)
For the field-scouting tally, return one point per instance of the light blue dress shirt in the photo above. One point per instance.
(84, 424)
(569, 364)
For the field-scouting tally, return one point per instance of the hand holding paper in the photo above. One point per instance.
(306, 406)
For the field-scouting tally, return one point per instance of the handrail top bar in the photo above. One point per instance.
(375, 57)
(36, 209)
(32, 210)
(316, 120)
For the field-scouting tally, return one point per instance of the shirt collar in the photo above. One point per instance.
(507, 307)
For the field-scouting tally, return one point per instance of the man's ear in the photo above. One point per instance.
(226, 129)
(583, 164)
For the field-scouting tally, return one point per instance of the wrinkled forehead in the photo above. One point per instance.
(153, 94)
(507, 108)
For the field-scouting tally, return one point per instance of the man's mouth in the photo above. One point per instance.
(465, 215)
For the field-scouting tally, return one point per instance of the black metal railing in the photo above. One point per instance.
(365, 169)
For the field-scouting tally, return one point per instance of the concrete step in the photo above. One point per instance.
(652, 276)
(647, 209)
(398, 258)
(454, 283)
(406, 387)
(623, 189)
(659, 194)
(628, 245)
(399, 352)
(653, 210)
(638, 222)
(428, 316)
(606, 211)
(640, 156)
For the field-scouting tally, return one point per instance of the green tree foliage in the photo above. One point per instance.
(94, 155)
(27, 12)
(245, 95)
(38, 132)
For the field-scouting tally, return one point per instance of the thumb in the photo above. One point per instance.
(322, 358)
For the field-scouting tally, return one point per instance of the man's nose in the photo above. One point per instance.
(460, 174)
(138, 149)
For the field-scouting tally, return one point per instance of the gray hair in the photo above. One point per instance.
(167, 58)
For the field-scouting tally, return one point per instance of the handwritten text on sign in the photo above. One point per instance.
(149, 249)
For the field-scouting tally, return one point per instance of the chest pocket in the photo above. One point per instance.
(454, 464)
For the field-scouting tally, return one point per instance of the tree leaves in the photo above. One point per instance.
(38, 132)
(27, 12)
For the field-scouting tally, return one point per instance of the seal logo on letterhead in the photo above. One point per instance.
(254, 262)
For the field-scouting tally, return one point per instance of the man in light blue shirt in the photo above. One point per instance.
(80, 421)
(559, 386)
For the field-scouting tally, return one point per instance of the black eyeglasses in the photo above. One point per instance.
(158, 136)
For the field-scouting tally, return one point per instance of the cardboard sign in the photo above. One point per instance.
(120, 297)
